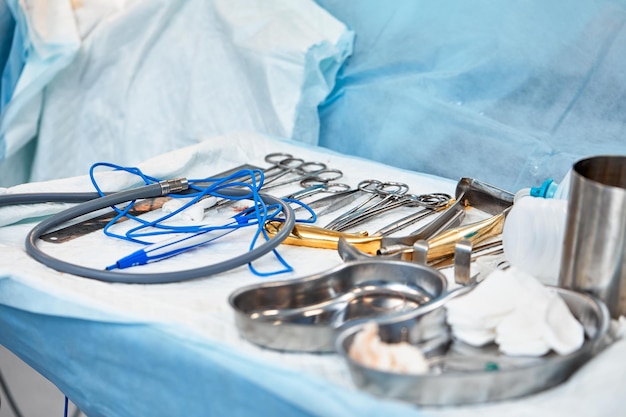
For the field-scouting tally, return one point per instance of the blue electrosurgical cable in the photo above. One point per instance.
(176, 245)
(197, 235)
(167, 248)
(211, 187)
(148, 191)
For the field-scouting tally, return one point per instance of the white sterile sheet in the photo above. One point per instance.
(200, 312)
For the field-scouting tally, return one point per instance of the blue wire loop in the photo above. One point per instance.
(255, 216)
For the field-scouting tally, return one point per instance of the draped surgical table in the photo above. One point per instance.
(173, 349)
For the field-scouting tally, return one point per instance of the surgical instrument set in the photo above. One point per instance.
(331, 196)
(285, 164)
(385, 196)
(469, 193)
(379, 197)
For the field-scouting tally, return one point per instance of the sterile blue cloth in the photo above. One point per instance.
(44, 40)
(512, 94)
(182, 376)
(36, 41)
(7, 34)
(130, 79)
(509, 92)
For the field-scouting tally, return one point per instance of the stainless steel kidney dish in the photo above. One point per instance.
(304, 314)
(460, 374)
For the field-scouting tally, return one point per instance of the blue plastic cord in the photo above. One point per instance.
(261, 230)
(257, 215)
(134, 234)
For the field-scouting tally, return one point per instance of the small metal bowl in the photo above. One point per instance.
(460, 374)
(304, 314)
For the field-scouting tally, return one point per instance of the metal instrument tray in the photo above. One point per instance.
(304, 314)
(460, 374)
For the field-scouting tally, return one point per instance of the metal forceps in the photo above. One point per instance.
(394, 198)
(336, 192)
(382, 193)
(312, 186)
(431, 203)
(304, 171)
(281, 164)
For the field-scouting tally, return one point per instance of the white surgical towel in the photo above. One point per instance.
(514, 310)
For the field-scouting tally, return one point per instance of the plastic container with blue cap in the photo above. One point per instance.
(534, 229)
(549, 189)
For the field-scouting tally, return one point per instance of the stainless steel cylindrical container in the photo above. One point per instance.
(594, 250)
